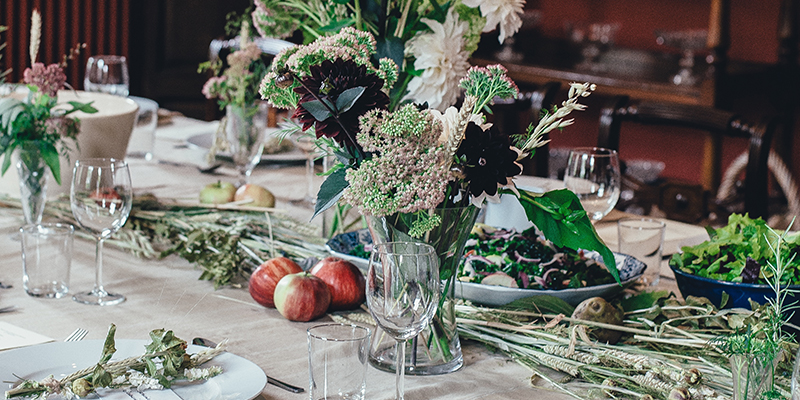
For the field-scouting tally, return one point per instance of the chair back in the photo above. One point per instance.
(269, 46)
(513, 116)
(718, 123)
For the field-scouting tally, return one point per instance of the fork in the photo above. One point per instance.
(76, 335)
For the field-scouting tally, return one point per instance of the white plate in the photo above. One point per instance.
(240, 380)
(204, 140)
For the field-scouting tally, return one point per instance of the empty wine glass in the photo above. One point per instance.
(107, 74)
(101, 198)
(689, 42)
(403, 290)
(593, 174)
(245, 129)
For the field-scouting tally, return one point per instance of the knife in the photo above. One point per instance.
(283, 385)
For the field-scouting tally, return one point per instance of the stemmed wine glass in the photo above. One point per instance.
(107, 74)
(100, 197)
(593, 174)
(403, 290)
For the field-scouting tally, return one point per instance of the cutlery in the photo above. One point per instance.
(5, 286)
(8, 309)
(283, 385)
(76, 335)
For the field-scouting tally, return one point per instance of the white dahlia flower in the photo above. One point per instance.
(441, 56)
(500, 12)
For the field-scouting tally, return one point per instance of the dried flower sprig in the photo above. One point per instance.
(554, 119)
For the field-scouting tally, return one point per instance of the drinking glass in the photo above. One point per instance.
(107, 74)
(100, 197)
(593, 174)
(245, 128)
(403, 290)
(307, 144)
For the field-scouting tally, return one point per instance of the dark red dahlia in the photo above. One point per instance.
(327, 81)
(489, 159)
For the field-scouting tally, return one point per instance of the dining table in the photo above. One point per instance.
(166, 293)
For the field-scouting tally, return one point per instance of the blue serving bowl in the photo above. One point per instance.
(739, 293)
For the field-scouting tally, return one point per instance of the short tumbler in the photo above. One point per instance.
(46, 259)
(337, 361)
(643, 238)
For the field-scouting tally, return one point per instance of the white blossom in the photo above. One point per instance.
(504, 13)
(197, 374)
(440, 55)
(143, 382)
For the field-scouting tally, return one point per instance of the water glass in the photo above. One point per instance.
(143, 136)
(107, 74)
(643, 238)
(593, 174)
(46, 259)
(337, 361)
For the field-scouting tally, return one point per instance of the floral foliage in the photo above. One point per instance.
(429, 40)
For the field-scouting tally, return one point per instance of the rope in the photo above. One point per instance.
(782, 175)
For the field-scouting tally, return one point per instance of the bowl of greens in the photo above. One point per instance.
(732, 267)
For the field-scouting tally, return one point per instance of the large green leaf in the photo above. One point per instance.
(563, 221)
(336, 26)
(85, 107)
(390, 47)
(330, 191)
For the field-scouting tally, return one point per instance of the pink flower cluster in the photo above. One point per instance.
(213, 87)
(49, 79)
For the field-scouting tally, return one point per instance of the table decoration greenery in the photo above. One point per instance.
(164, 362)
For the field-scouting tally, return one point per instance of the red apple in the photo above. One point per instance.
(302, 297)
(105, 197)
(217, 193)
(266, 276)
(258, 196)
(345, 281)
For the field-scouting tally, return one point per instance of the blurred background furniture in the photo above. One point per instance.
(513, 116)
(679, 200)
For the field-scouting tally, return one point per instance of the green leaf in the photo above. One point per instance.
(541, 303)
(336, 26)
(554, 213)
(108, 347)
(85, 107)
(392, 48)
(7, 159)
(330, 191)
(348, 98)
(724, 297)
(643, 300)
(317, 109)
(50, 156)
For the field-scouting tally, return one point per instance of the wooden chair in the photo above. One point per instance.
(718, 124)
(514, 115)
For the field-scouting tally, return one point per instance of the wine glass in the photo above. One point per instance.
(593, 174)
(245, 130)
(689, 42)
(107, 74)
(101, 198)
(403, 290)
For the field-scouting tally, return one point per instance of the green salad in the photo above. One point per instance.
(526, 260)
(739, 252)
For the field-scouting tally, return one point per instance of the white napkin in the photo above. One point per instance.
(12, 336)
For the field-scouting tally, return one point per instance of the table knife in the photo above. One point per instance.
(283, 385)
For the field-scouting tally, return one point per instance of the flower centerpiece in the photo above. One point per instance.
(235, 87)
(420, 173)
(37, 130)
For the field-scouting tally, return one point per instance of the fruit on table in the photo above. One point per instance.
(302, 297)
(597, 309)
(217, 193)
(105, 197)
(266, 277)
(259, 196)
(500, 279)
(345, 282)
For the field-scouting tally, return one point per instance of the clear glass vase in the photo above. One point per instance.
(32, 172)
(436, 350)
(245, 127)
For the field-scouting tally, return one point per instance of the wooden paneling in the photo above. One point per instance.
(103, 25)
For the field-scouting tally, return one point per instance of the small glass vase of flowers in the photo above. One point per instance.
(37, 130)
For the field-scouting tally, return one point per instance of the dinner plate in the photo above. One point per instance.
(240, 380)
(630, 269)
(204, 140)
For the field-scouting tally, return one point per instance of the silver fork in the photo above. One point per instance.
(76, 335)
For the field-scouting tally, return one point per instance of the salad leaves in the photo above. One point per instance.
(738, 252)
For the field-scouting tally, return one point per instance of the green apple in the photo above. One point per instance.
(258, 196)
(217, 193)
